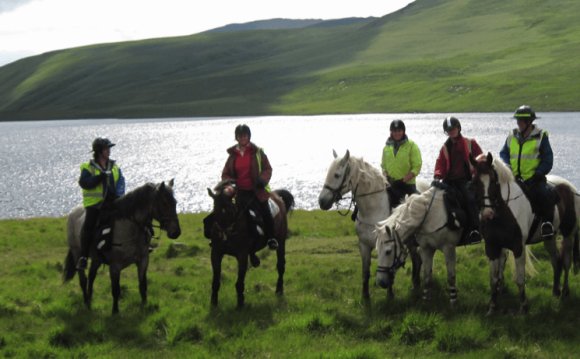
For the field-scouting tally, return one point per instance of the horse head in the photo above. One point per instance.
(391, 254)
(486, 185)
(164, 209)
(224, 207)
(337, 182)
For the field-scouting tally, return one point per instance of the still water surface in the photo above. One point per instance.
(39, 161)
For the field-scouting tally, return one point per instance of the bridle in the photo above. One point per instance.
(400, 254)
(495, 203)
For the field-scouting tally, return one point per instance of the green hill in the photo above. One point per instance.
(433, 55)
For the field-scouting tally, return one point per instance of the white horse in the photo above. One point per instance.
(423, 216)
(507, 219)
(368, 187)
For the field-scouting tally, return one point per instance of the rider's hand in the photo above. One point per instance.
(260, 183)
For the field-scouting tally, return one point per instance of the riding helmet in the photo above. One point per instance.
(397, 125)
(450, 123)
(100, 144)
(525, 112)
(243, 129)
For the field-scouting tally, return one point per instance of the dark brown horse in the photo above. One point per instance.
(131, 236)
(231, 233)
(507, 223)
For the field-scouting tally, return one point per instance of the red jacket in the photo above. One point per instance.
(463, 148)
(229, 171)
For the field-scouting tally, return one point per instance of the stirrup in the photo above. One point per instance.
(272, 243)
(547, 230)
(474, 237)
(82, 263)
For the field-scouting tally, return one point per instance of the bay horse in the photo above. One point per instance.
(230, 233)
(368, 187)
(424, 218)
(133, 215)
(507, 220)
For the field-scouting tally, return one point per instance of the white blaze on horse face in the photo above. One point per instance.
(487, 212)
(385, 256)
(335, 179)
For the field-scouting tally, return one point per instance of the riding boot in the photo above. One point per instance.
(547, 229)
(354, 213)
(268, 225)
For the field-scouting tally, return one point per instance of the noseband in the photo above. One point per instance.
(401, 253)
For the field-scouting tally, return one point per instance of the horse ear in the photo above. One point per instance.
(472, 160)
(334, 153)
(346, 157)
(211, 194)
(489, 158)
(171, 182)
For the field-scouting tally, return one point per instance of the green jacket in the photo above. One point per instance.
(400, 159)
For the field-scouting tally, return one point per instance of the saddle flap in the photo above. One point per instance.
(274, 208)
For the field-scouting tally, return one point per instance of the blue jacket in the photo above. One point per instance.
(87, 181)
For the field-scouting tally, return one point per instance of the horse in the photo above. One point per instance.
(368, 187)
(507, 220)
(421, 218)
(230, 233)
(133, 216)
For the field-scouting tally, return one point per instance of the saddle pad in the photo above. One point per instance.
(274, 208)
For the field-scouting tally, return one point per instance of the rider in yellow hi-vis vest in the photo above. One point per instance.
(528, 153)
(102, 182)
(401, 163)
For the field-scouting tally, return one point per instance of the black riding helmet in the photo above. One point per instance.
(450, 123)
(397, 125)
(243, 129)
(525, 112)
(99, 144)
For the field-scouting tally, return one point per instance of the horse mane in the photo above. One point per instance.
(407, 217)
(368, 175)
(504, 173)
(139, 198)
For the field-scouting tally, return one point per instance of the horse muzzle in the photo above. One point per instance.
(487, 214)
(326, 200)
(385, 280)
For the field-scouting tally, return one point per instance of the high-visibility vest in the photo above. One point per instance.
(94, 196)
(259, 159)
(525, 155)
(407, 159)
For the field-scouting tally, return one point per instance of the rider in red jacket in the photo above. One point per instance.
(454, 169)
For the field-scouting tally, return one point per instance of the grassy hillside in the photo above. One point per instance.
(434, 55)
(320, 316)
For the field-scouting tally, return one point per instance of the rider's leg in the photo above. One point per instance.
(87, 233)
(472, 215)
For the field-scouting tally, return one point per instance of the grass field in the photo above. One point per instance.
(321, 314)
(433, 56)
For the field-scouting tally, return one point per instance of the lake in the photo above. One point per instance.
(39, 162)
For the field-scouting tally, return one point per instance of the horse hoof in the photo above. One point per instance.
(490, 312)
(565, 293)
(523, 310)
(453, 302)
(556, 293)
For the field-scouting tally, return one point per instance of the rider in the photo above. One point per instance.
(249, 167)
(454, 168)
(528, 153)
(102, 182)
(401, 163)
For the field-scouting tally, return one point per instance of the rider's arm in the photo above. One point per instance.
(504, 154)
(120, 187)
(546, 157)
(266, 169)
(441, 165)
(88, 181)
(416, 160)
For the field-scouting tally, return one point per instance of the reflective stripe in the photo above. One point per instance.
(525, 156)
(94, 196)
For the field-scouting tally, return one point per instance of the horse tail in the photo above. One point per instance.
(576, 253)
(69, 267)
(530, 269)
(287, 197)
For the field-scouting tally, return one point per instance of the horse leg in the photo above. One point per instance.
(240, 283)
(142, 275)
(495, 273)
(115, 275)
(521, 282)
(427, 259)
(281, 266)
(566, 260)
(450, 260)
(502, 262)
(416, 261)
(556, 266)
(83, 284)
(365, 254)
(95, 264)
(216, 265)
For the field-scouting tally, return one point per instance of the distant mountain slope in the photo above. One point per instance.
(272, 24)
(433, 55)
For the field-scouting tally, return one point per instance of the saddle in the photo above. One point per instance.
(104, 233)
(453, 202)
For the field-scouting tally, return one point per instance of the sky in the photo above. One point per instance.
(30, 27)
